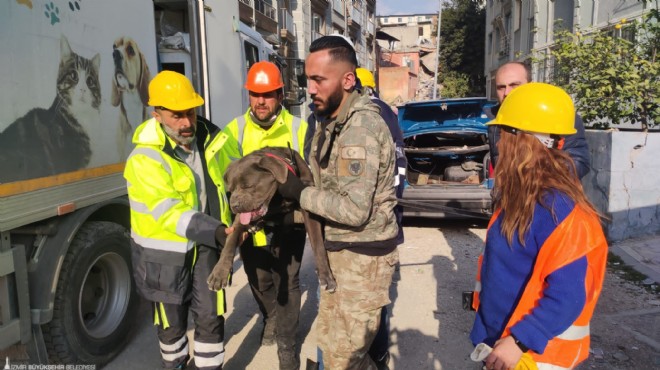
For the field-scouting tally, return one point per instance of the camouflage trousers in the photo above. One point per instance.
(348, 319)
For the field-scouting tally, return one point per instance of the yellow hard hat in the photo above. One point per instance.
(366, 78)
(538, 107)
(173, 91)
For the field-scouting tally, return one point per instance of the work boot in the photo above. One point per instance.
(269, 331)
(288, 357)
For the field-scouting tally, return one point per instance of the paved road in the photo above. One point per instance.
(429, 329)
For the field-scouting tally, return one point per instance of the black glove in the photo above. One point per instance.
(292, 188)
(220, 235)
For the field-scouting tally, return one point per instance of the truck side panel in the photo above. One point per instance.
(74, 82)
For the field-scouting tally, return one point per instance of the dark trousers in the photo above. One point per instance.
(273, 273)
(209, 326)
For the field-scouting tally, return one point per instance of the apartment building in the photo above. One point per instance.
(407, 57)
(354, 19)
(518, 30)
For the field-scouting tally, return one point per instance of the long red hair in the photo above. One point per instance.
(526, 170)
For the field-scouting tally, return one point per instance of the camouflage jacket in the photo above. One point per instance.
(355, 192)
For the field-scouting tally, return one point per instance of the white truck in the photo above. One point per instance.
(73, 87)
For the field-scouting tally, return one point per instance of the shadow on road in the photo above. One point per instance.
(443, 269)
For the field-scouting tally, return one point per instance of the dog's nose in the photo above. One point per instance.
(116, 55)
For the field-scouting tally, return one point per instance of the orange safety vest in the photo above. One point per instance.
(579, 235)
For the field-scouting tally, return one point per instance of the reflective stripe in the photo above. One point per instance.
(575, 332)
(138, 207)
(184, 222)
(240, 120)
(402, 171)
(163, 207)
(477, 286)
(153, 154)
(158, 211)
(214, 361)
(208, 347)
(295, 126)
(162, 245)
(174, 346)
(545, 366)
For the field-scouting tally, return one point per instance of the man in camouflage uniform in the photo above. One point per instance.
(352, 159)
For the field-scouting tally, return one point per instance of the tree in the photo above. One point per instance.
(462, 34)
(612, 79)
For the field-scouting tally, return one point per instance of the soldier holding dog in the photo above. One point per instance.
(352, 159)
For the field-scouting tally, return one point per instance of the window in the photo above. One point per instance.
(420, 31)
(385, 20)
(316, 23)
(507, 23)
(251, 55)
(490, 43)
(400, 20)
(518, 10)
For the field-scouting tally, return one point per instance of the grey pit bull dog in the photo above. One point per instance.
(252, 182)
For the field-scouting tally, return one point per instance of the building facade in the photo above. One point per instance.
(407, 57)
(521, 30)
(291, 26)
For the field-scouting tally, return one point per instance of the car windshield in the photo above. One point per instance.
(442, 112)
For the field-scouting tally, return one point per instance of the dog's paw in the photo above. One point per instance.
(328, 283)
(216, 283)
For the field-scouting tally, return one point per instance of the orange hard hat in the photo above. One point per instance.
(263, 77)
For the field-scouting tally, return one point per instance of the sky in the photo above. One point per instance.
(392, 7)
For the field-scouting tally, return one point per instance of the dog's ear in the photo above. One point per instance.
(231, 176)
(116, 95)
(145, 77)
(303, 169)
(274, 166)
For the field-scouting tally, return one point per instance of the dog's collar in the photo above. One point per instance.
(288, 163)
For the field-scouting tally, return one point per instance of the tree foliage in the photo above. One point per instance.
(455, 85)
(612, 79)
(462, 35)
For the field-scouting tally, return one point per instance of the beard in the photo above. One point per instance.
(178, 135)
(324, 108)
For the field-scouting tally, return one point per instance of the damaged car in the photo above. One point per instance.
(449, 172)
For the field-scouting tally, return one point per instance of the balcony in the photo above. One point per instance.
(338, 7)
(287, 30)
(356, 17)
(258, 13)
(371, 28)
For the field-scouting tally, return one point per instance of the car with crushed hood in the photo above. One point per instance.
(449, 172)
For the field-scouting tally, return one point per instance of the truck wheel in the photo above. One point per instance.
(96, 301)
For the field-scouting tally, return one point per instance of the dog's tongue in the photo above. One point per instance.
(245, 217)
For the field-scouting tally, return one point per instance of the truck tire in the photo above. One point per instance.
(96, 300)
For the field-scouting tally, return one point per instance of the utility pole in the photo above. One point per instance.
(437, 54)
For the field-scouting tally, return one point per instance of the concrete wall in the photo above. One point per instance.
(396, 84)
(623, 182)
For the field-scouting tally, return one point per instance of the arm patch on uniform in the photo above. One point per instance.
(353, 152)
(352, 161)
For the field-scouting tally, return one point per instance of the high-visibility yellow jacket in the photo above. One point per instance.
(246, 136)
(166, 221)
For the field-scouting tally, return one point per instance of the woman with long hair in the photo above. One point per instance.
(543, 265)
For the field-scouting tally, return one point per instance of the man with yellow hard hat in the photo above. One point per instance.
(272, 256)
(179, 221)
